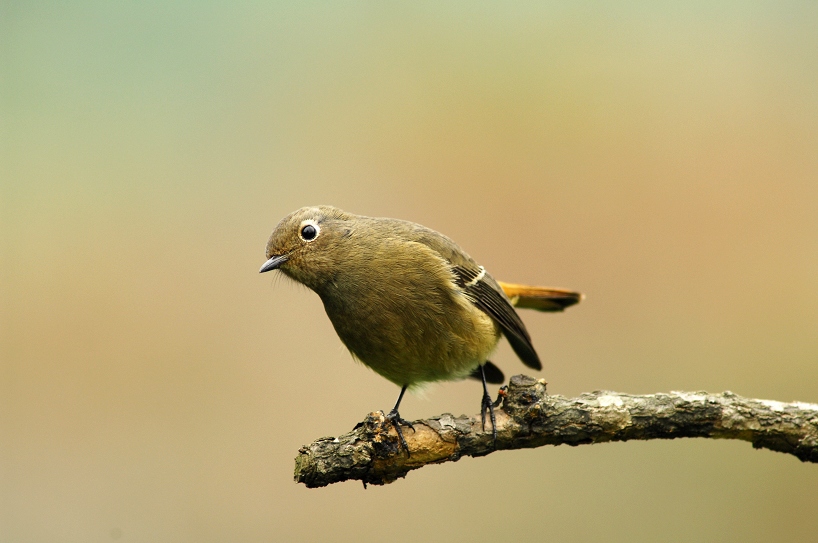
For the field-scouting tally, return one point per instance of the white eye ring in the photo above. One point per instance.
(309, 234)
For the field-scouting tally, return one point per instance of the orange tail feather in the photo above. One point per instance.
(540, 298)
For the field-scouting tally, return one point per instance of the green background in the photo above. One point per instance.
(661, 157)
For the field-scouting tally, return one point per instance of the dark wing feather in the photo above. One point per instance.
(492, 301)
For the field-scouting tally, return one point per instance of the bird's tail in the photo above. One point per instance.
(540, 298)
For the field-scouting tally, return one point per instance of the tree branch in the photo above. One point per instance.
(531, 418)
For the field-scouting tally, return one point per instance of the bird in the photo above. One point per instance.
(407, 301)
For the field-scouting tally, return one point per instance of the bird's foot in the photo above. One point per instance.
(488, 405)
(394, 418)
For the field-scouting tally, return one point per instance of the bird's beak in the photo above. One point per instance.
(273, 263)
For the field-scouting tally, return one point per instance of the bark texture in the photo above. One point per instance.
(530, 418)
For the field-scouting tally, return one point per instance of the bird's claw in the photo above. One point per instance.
(501, 395)
(394, 418)
(488, 405)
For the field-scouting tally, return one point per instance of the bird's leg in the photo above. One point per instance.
(487, 405)
(395, 419)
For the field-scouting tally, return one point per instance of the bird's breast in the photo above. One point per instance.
(410, 324)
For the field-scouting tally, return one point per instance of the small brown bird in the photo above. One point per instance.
(407, 301)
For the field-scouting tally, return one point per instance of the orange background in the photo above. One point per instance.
(661, 157)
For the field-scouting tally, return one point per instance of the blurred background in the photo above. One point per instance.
(661, 157)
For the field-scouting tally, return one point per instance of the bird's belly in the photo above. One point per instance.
(409, 345)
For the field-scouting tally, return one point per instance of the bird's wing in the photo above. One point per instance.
(477, 284)
(487, 296)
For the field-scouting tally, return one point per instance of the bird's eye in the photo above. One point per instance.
(309, 230)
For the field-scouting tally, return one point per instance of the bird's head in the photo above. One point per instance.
(307, 244)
